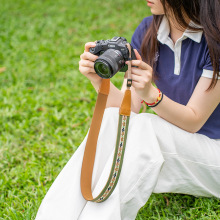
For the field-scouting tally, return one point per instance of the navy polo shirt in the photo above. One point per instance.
(180, 67)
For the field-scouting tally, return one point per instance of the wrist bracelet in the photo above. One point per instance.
(154, 104)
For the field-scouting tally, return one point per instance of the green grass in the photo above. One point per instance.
(46, 104)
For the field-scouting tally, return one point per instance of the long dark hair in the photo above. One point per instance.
(210, 20)
(201, 12)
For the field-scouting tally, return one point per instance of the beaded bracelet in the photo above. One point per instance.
(154, 104)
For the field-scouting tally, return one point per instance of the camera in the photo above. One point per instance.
(112, 54)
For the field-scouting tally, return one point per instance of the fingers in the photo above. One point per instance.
(141, 64)
(86, 63)
(136, 84)
(144, 78)
(140, 72)
(88, 56)
(141, 84)
(140, 78)
(86, 67)
(86, 70)
(138, 56)
(87, 59)
(89, 45)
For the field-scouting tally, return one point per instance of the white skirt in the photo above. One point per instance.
(159, 157)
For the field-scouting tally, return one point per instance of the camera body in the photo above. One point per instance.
(112, 54)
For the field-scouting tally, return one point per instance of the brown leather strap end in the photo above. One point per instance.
(126, 104)
(105, 87)
(90, 149)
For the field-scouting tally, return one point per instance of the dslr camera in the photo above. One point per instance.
(112, 56)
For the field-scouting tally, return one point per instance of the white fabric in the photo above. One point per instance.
(159, 157)
(164, 38)
(208, 74)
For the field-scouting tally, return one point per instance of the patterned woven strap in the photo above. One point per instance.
(117, 161)
(90, 149)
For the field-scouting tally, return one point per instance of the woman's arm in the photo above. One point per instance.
(197, 111)
(190, 117)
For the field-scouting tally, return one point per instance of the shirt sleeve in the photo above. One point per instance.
(139, 33)
(208, 68)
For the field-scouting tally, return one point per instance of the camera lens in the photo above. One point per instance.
(103, 69)
(109, 63)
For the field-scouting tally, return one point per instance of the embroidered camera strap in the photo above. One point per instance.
(90, 149)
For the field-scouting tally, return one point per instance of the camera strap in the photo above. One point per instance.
(90, 149)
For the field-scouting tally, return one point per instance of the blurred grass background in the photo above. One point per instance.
(46, 105)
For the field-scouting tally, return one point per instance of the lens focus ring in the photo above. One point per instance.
(109, 63)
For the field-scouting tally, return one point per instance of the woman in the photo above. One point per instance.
(177, 150)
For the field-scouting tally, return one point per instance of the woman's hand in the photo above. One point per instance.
(142, 79)
(86, 65)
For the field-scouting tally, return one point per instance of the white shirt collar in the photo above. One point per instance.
(164, 31)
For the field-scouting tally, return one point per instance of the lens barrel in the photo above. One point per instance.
(109, 63)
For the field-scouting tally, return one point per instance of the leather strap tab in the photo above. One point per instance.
(126, 104)
(105, 86)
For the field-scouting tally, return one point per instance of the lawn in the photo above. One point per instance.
(46, 105)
